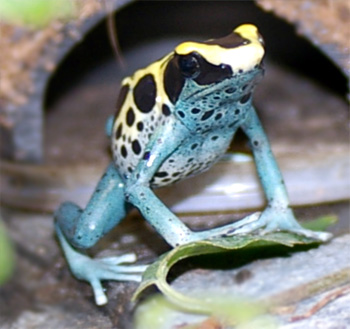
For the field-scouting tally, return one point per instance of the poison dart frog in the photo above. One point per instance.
(175, 119)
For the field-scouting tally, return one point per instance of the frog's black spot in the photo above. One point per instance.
(216, 97)
(152, 117)
(173, 80)
(136, 147)
(124, 151)
(232, 40)
(181, 114)
(195, 111)
(218, 116)
(145, 93)
(256, 143)
(121, 97)
(124, 138)
(190, 160)
(231, 125)
(161, 174)
(230, 90)
(147, 155)
(240, 71)
(118, 133)
(194, 146)
(130, 170)
(245, 87)
(139, 126)
(214, 138)
(171, 160)
(165, 110)
(175, 174)
(166, 180)
(238, 111)
(130, 117)
(245, 98)
(207, 115)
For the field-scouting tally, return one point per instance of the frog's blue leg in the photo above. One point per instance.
(77, 228)
(277, 215)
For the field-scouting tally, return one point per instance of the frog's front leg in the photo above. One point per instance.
(77, 228)
(164, 142)
(277, 215)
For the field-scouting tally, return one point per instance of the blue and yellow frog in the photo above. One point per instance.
(175, 119)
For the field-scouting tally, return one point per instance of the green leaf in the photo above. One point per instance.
(7, 256)
(157, 312)
(35, 13)
(321, 223)
(157, 272)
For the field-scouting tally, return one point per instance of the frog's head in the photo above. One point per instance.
(236, 57)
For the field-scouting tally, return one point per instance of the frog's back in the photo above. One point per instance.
(142, 106)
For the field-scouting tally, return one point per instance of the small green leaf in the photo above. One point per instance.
(157, 312)
(321, 223)
(7, 255)
(35, 13)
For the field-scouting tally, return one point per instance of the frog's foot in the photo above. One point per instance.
(96, 270)
(272, 220)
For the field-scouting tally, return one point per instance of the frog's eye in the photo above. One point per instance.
(189, 66)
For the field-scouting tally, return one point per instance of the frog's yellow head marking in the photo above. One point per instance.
(214, 60)
(241, 50)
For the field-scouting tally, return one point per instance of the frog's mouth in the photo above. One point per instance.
(230, 89)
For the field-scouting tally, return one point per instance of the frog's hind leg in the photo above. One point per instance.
(77, 228)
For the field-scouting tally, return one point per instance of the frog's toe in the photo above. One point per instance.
(109, 269)
(100, 296)
(319, 236)
(247, 225)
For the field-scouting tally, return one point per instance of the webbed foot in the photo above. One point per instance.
(96, 270)
(272, 220)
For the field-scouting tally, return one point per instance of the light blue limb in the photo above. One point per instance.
(138, 192)
(162, 144)
(277, 215)
(83, 228)
(95, 270)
